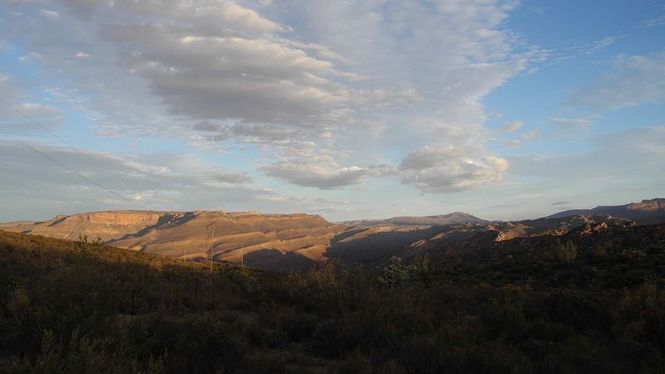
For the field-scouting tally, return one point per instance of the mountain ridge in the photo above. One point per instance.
(287, 242)
(432, 220)
(648, 211)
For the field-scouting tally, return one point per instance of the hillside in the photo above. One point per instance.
(645, 212)
(270, 241)
(440, 220)
(278, 242)
(288, 242)
(594, 302)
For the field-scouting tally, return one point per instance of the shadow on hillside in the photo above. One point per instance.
(348, 233)
(274, 260)
(170, 218)
(375, 246)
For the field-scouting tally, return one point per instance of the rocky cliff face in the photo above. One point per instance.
(104, 225)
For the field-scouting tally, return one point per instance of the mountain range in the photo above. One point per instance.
(285, 242)
(645, 212)
(440, 220)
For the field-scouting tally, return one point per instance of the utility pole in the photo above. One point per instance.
(210, 242)
(242, 246)
(74, 229)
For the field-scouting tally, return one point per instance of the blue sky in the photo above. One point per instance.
(354, 109)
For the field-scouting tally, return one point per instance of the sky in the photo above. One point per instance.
(347, 109)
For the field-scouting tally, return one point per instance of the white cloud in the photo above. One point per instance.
(316, 170)
(233, 178)
(211, 77)
(50, 14)
(215, 72)
(450, 169)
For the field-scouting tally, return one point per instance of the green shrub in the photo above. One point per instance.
(65, 310)
(567, 252)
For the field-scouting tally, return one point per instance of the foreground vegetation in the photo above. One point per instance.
(70, 307)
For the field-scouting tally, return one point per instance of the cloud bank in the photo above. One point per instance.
(303, 81)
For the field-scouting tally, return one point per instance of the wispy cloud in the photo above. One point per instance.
(512, 126)
(560, 203)
(656, 21)
(526, 137)
(572, 122)
(633, 80)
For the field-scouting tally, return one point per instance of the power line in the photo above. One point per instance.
(78, 150)
(211, 227)
(45, 128)
(85, 178)
(74, 148)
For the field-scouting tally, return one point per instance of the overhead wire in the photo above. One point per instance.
(41, 153)
(45, 128)
(75, 149)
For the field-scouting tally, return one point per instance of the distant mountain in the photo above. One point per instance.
(440, 220)
(376, 245)
(646, 212)
(268, 241)
(285, 242)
